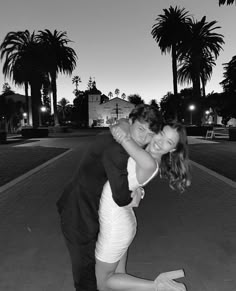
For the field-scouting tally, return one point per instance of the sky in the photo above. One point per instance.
(113, 41)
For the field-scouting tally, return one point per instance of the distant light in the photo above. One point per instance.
(207, 112)
(24, 114)
(43, 109)
(191, 107)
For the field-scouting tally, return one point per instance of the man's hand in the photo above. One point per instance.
(165, 281)
(137, 196)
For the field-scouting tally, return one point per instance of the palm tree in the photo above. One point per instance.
(201, 45)
(63, 108)
(186, 72)
(58, 57)
(76, 80)
(90, 83)
(110, 94)
(169, 32)
(23, 64)
(229, 81)
(228, 2)
(117, 92)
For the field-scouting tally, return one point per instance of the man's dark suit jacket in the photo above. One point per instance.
(104, 160)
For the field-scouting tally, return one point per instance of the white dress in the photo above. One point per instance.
(117, 224)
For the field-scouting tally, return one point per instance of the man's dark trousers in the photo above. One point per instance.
(78, 206)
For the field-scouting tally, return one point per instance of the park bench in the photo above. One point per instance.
(217, 132)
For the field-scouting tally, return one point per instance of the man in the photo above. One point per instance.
(104, 160)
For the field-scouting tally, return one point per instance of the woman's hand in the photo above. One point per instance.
(118, 133)
(121, 130)
(136, 195)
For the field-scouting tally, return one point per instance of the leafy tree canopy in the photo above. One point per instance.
(6, 90)
(135, 99)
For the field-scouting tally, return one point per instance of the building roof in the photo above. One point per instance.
(117, 99)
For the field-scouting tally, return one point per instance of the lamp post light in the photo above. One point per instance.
(25, 117)
(191, 109)
(207, 113)
(42, 109)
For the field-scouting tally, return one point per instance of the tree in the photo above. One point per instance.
(6, 90)
(46, 90)
(76, 80)
(117, 92)
(10, 110)
(153, 103)
(229, 81)
(80, 109)
(90, 83)
(123, 96)
(24, 65)
(168, 106)
(228, 2)
(168, 32)
(63, 109)
(171, 104)
(110, 94)
(58, 57)
(186, 70)
(227, 108)
(135, 99)
(201, 44)
(222, 104)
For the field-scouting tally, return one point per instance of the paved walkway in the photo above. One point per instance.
(195, 231)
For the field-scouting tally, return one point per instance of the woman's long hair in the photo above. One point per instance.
(175, 165)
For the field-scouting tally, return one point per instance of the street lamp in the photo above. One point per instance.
(42, 109)
(191, 109)
(25, 118)
(207, 113)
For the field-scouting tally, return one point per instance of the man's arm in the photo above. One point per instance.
(142, 157)
(115, 162)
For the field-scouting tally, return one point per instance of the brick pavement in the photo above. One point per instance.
(195, 231)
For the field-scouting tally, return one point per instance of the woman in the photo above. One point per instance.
(166, 153)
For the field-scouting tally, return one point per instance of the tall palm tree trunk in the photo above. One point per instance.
(197, 91)
(54, 97)
(174, 71)
(28, 102)
(203, 87)
(36, 105)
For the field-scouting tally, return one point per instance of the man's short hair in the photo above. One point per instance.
(149, 114)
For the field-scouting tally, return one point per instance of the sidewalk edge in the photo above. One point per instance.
(216, 175)
(31, 172)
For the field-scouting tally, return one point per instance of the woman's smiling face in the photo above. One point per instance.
(164, 142)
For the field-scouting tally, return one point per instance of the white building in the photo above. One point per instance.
(104, 114)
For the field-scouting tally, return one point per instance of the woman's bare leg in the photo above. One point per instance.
(121, 268)
(108, 280)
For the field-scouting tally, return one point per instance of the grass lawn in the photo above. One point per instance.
(15, 161)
